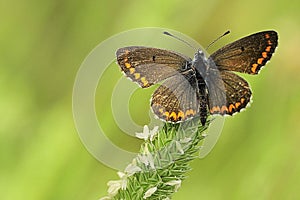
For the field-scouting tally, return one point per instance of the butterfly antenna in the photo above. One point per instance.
(227, 32)
(169, 34)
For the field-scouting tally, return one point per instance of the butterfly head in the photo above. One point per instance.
(199, 55)
(200, 62)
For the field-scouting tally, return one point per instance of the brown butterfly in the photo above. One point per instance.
(194, 87)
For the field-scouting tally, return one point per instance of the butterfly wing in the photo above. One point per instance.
(177, 98)
(147, 66)
(248, 54)
(228, 94)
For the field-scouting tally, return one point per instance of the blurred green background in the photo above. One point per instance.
(42, 45)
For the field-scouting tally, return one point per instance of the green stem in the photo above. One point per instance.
(157, 171)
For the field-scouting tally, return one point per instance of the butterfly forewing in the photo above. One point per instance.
(248, 54)
(177, 99)
(147, 66)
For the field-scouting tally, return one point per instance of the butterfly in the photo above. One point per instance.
(202, 85)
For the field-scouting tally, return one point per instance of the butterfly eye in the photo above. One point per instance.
(199, 55)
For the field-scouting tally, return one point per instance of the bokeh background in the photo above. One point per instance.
(43, 43)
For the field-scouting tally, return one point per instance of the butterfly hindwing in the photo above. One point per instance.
(236, 91)
(247, 55)
(177, 99)
(147, 66)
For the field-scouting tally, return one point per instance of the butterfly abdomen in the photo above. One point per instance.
(203, 103)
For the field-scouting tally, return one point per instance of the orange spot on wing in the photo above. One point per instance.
(268, 48)
(131, 70)
(180, 115)
(190, 112)
(127, 65)
(166, 114)
(237, 104)
(224, 109)
(269, 42)
(264, 54)
(260, 60)
(215, 109)
(173, 114)
(187, 113)
(267, 36)
(254, 67)
(231, 107)
(137, 75)
(144, 81)
(242, 100)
